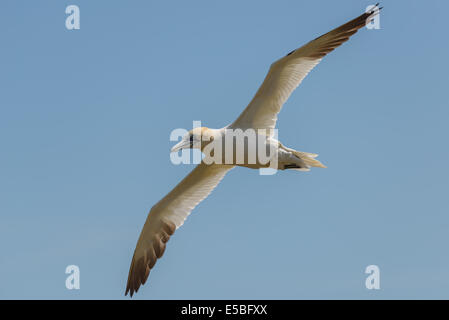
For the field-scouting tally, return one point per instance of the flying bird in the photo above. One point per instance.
(282, 79)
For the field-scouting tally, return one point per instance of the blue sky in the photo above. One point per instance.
(85, 119)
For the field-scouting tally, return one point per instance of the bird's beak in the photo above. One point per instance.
(180, 145)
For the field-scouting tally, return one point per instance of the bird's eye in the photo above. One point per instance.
(191, 138)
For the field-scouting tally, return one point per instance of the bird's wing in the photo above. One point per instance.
(286, 74)
(168, 215)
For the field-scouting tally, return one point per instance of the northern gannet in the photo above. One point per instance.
(283, 77)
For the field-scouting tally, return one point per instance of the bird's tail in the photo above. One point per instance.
(304, 160)
(309, 159)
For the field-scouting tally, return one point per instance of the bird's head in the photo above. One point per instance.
(196, 138)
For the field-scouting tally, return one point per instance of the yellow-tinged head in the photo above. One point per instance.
(196, 138)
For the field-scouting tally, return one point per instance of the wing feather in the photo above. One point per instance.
(287, 73)
(168, 215)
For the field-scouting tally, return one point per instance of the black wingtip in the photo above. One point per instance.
(375, 9)
(128, 290)
(377, 6)
(131, 293)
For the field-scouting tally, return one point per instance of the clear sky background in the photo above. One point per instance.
(85, 119)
